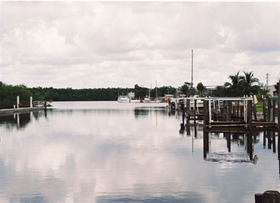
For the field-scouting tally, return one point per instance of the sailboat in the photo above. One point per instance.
(147, 98)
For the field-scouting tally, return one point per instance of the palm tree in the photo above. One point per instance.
(249, 84)
(219, 91)
(234, 86)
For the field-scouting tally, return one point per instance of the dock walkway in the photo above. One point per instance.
(5, 112)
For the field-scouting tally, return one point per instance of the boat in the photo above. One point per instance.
(123, 99)
(127, 99)
(147, 99)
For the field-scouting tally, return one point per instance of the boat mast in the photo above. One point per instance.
(192, 71)
(156, 90)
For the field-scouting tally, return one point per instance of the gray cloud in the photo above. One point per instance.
(121, 44)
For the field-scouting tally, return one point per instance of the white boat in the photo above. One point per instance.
(123, 99)
(147, 100)
(126, 99)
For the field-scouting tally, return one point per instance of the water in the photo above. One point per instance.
(112, 152)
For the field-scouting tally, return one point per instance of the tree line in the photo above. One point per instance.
(8, 94)
(238, 86)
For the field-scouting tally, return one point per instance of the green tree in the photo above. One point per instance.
(219, 91)
(250, 84)
(187, 89)
(9, 93)
(200, 87)
(235, 86)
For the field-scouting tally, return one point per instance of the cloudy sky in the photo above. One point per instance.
(117, 44)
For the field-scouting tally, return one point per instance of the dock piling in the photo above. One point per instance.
(249, 113)
(268, 109)
(17, 102)
(264, 110)
(205, 113)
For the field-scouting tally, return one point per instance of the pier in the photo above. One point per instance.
(18, 109)
(230, 114)
(4, 112)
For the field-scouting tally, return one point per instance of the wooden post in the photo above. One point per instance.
(229, 110)
(264, 110)
(183, 112)
(268, 109)
(273, 110)
(224, 110)
(205, 113)
(31, 103)
(245, 106)
(45, 105)
(17, 102)
(188, 104)
(194, 112)
(255, 112)
(237, 111)
(249, 113)
(210, 111)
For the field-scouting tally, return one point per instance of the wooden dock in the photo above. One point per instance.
(231, 114)
(5, 112)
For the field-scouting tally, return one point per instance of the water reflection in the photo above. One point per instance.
(243, 139)
(20, 120)
(128, 155)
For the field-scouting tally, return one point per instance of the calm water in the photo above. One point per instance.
(107, 151)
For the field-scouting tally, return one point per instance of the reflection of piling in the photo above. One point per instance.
(278, 144)
(195, 130)
(264, 139)
(183, 117)
(269, 140)
(228, 141)
(249, 145)
(205, 143)
(273, 142)
(188, 128)
(278, 115)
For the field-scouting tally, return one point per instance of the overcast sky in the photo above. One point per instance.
(117, 44)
